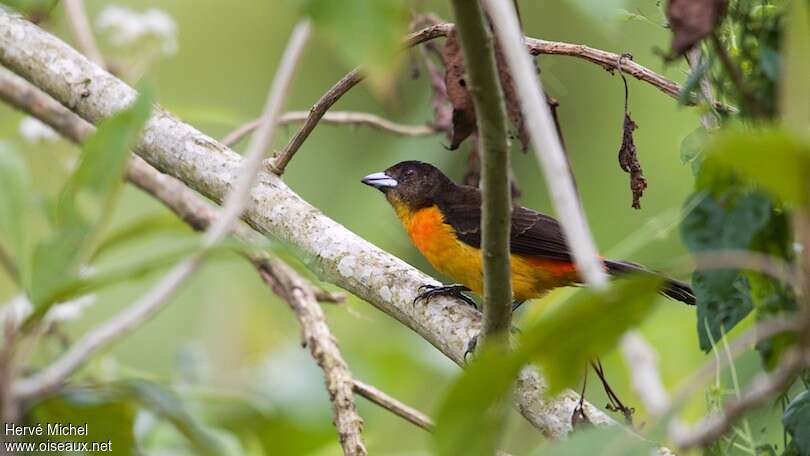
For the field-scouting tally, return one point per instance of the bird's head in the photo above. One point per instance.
(412, 184)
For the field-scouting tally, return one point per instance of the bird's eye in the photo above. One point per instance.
(410, 173)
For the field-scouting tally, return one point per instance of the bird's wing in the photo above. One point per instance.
(532, 233)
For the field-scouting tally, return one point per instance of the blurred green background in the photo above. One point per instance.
(235, 347)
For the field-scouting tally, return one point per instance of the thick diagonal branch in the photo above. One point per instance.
(338, 255)
(294, 289)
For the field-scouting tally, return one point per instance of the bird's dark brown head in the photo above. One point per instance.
(411, 183)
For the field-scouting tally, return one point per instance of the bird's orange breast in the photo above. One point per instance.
(437, 241)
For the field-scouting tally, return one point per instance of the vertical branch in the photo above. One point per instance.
(479, 56)
(543, 133)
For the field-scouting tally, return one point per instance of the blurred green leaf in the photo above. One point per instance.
(795, 91)
(723, 300)
(166, 405)
(563, 340)
(31, 7)
(365, 32)
(142, 267)
(604, 441)
(770, 296)
(86, 201)
(725, 222)
(14, 190)
(567, 337)
(108, 418)
(690, 89)
(109, 411)
(161, 223)
(775, 159)
(797, 423)
(692, 148)
(472, 417)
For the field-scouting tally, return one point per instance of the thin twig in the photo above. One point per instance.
(394, 406)
(316, 335)
(695, 58)
(484, 84)
(151, 302)
(748, 260)
(762, 390)
(336, 118)
(642, 363)
(80, 26)
(760, 332)
(280, 161)
(736, 77)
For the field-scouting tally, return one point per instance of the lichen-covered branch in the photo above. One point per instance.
(338, 255)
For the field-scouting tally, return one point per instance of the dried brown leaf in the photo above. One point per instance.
(628, 160)
(692, 20)
(457, 92)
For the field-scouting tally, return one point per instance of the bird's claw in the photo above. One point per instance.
(471, 345)
(426, 292)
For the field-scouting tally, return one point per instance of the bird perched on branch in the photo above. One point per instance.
(443, 220)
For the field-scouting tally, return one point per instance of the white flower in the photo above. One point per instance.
(126, 27)
(37, 132)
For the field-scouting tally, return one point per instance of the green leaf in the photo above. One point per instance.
(86, 202)
(692, 148)
(689, 89)
(139, 229)
(471, 418)
(723, 300)
(14, 190)
(365, 32)
(725, 222)
(770, 296)
(795, 91)
(32, 8)
(108, 418)
(775, 159)
(797, 423)
(166, 405)
(567, 337)
(109, 411)
(604, 441)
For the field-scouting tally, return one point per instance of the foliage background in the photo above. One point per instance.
(232, 348)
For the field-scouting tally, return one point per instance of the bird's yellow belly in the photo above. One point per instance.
(436, 240)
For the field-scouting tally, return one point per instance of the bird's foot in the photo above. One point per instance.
(471, 345)
(427, 292)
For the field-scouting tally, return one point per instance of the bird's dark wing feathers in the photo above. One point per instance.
(532, 234)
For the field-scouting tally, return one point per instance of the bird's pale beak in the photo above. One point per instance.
(380, 181)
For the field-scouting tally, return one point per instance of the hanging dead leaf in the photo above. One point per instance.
(628, 160)
(692, 20)
(457, 91)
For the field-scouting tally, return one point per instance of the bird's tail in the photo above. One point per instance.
(675, 289)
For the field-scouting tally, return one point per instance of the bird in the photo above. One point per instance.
(443, 220)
